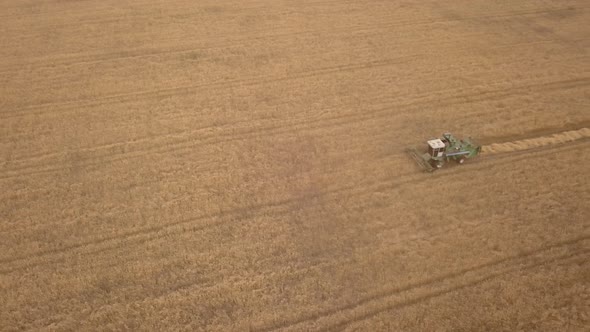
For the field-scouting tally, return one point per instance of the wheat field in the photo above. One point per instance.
(240, 165)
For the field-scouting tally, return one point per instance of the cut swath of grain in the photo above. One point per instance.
(531, 143)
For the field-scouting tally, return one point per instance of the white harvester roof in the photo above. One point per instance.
(436, 144)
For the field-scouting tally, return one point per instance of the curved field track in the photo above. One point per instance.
(240, 165)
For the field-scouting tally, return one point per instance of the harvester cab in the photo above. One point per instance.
(442, 150)
(436, 148)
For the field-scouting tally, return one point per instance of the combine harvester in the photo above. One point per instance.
(443, 150)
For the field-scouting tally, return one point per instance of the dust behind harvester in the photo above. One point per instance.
(444, 150)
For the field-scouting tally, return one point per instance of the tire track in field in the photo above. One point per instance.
(78, 16)
(183, 286)
(536, 142)
(65, 77)
(174, 145)
(269, 273)
(147, 53)
(178, 90)
(562, 260)
(360, 27)
(171, 147)
(189, 285)
(143, 235)
(144, 52)
(186, 286)
(108, 9)
(197, 11)
(507, 264)
(97, 11)
(207, 127)
(41, 109)
(474, 165)
(175, 49)
(172, 91)
(242, 214)
(137, 53)
(312, 125)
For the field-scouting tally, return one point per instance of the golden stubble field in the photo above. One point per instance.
(239, 165)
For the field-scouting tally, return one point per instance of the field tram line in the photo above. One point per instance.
(143, 235)
(141, 53)
(188, 285)
(100, 11)
(99, 57)
(146, 235)
(563, 260)
(163, 147)
(178, 90)
(447, 283)
(359, 27)
(250, 131)
(446, 101)
(278, 129)
(139, 236)
(146, 53)
(188, 143)
(152, 233)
